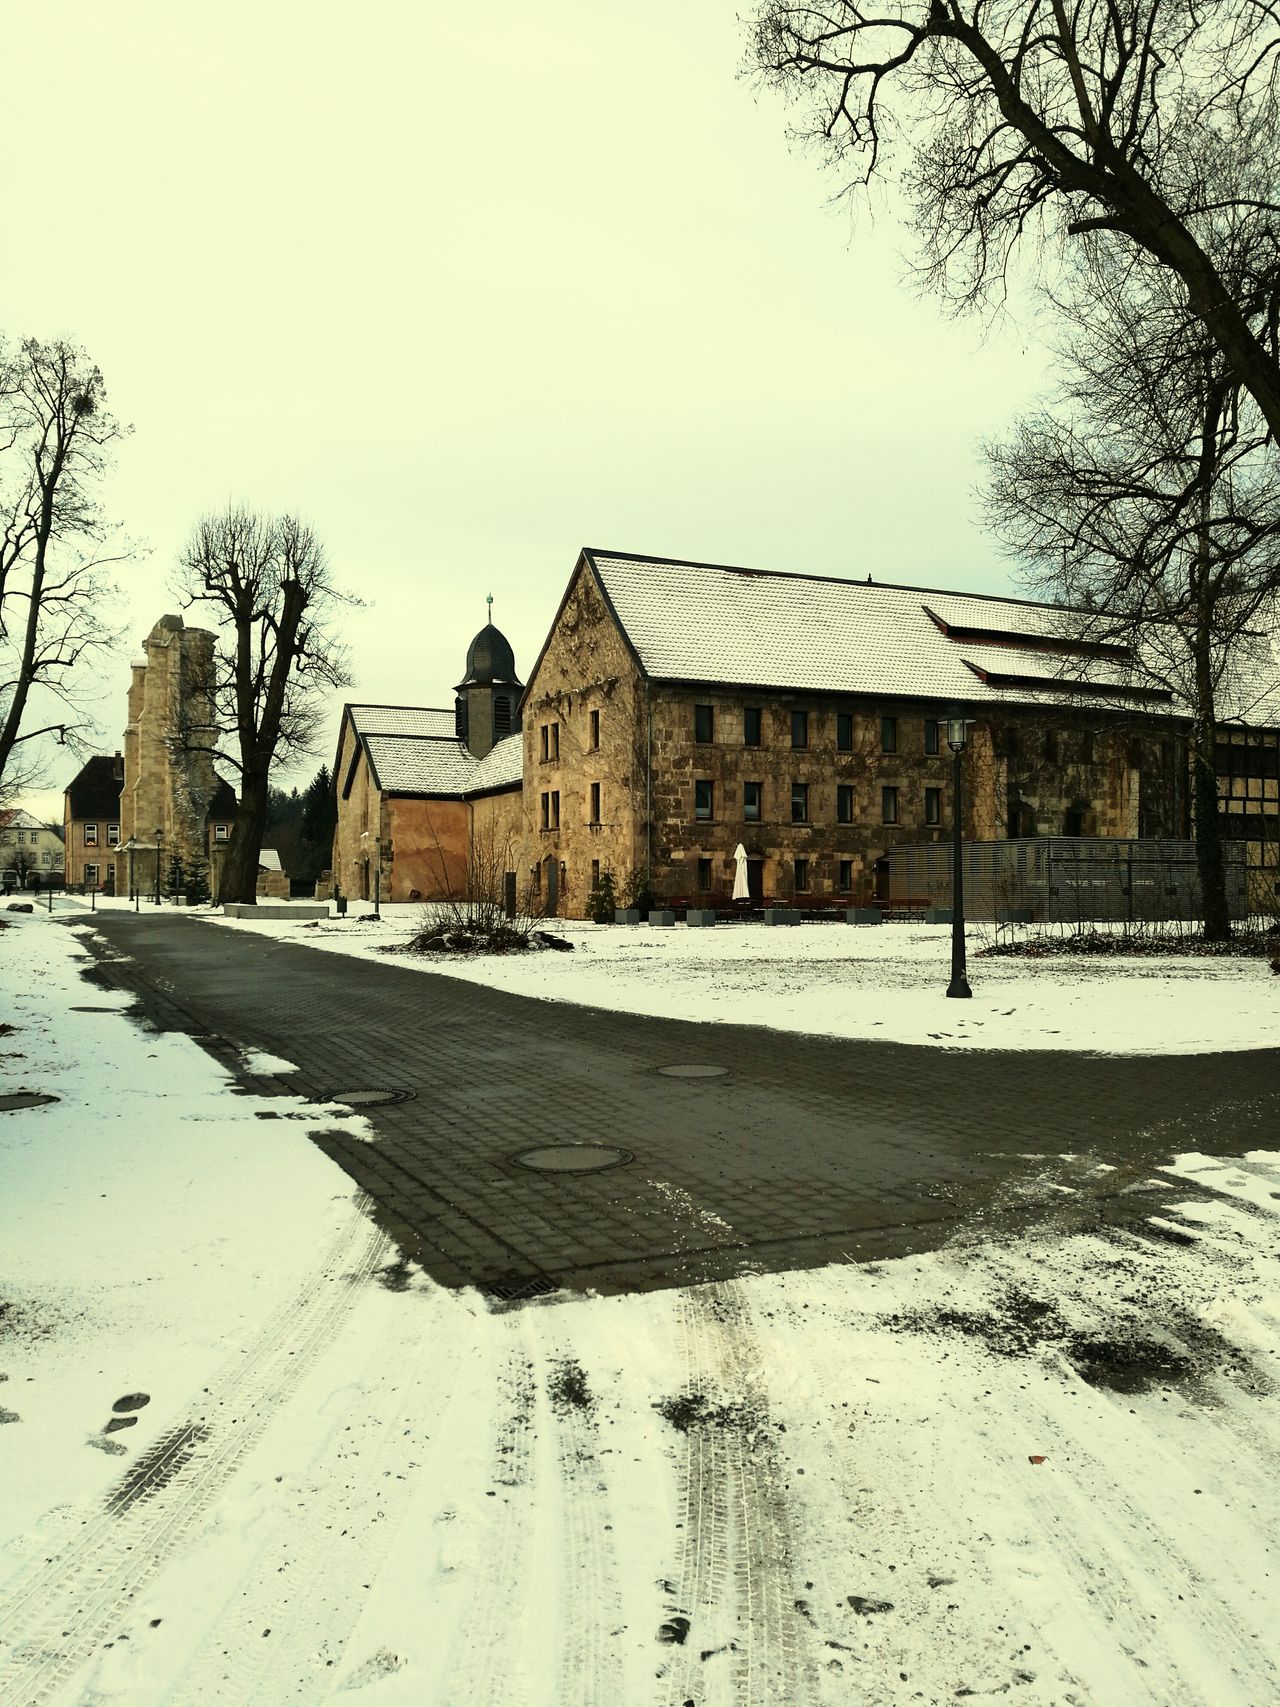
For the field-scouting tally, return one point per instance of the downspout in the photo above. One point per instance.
(648, 787)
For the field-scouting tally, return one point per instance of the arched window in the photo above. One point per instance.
(502, 714)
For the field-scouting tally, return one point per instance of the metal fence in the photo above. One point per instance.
(1067, 879)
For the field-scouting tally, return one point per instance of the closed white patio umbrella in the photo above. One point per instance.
(741, 888)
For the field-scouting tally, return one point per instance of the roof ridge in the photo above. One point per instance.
(595, 552)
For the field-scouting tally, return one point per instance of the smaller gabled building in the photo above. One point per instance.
(91, 824)
(428, 798)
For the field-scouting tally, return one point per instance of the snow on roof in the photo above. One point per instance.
(503, 767)
(269, 860)
(700, 622)
(427, 765)
(402, 720)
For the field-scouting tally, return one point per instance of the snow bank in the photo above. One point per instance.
(885, 982)
(1040, 1467)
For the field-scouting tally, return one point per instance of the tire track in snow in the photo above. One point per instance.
(732, 1580)
(309, 1584)
(590, 1666)
(481, 1668)
(60, 1610)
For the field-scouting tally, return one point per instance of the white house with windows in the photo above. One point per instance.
(31, 852)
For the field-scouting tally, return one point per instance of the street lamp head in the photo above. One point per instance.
(957, 734)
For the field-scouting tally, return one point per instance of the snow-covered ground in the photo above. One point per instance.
(1041, 1468)
(883, 981)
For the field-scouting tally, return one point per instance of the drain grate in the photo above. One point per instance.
(15, 1100)
(510, 1288)
(572, 1158)
(693, 1072)
(367, 1098)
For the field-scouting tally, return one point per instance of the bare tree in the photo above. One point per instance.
(1154, 120)
(1149, 500)
(269, 581)
(56, 438)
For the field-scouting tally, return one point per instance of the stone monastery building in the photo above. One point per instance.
(679, 709)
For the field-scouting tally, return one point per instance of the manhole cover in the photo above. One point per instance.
(693, 1072)
(511, 1288)
(23, 1099)
(572, 1158)
(365, 1099)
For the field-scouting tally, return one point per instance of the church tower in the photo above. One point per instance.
(489, 693)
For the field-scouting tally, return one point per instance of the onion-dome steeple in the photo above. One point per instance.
(489, 692)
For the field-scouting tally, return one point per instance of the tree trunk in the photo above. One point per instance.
(1208, 832)
(239, 880)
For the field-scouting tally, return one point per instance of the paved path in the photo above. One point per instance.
(805, 1150)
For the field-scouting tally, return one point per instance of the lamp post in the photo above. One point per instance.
(957, 737)
(159, 851)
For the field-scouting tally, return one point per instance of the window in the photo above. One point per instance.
(844, 731)
(113, 835)
(932, 744)
(888, 734)
(502, 714)
(703, 798)
(799, 802)
(111, 873)
(888, 805)
(555, 741)
(846, 875)
(799, 728)
(751, 792)
(46, 858)
(595, 731)
(751, 721)
(595, 874)
(704, 723)
(844, 803)
(90, 836)
(544, 734)
(555, 809)
(91, 875)
(546, 810)
(704, 874)
(550, 733)
(221, 832)
(595, 802)
(933, 805)
(802, 873)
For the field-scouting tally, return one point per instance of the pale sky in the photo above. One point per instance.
(470, 289)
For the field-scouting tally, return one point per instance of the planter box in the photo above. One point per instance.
(626, 915)
(294, 910)
(863, 916)
(937, 915)
(662, 917)
(1014, 915)
(782, 915)
(700, 916)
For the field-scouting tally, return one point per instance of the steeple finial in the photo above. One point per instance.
(489, 602)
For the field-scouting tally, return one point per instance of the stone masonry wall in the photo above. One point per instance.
(169, 778)
(586, 669)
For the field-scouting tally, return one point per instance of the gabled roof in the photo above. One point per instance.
(401, 720)
(94, 792)
(17, 818)
(705, 622)
(415, 750)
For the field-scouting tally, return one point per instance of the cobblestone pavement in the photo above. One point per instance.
(802, 1151)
